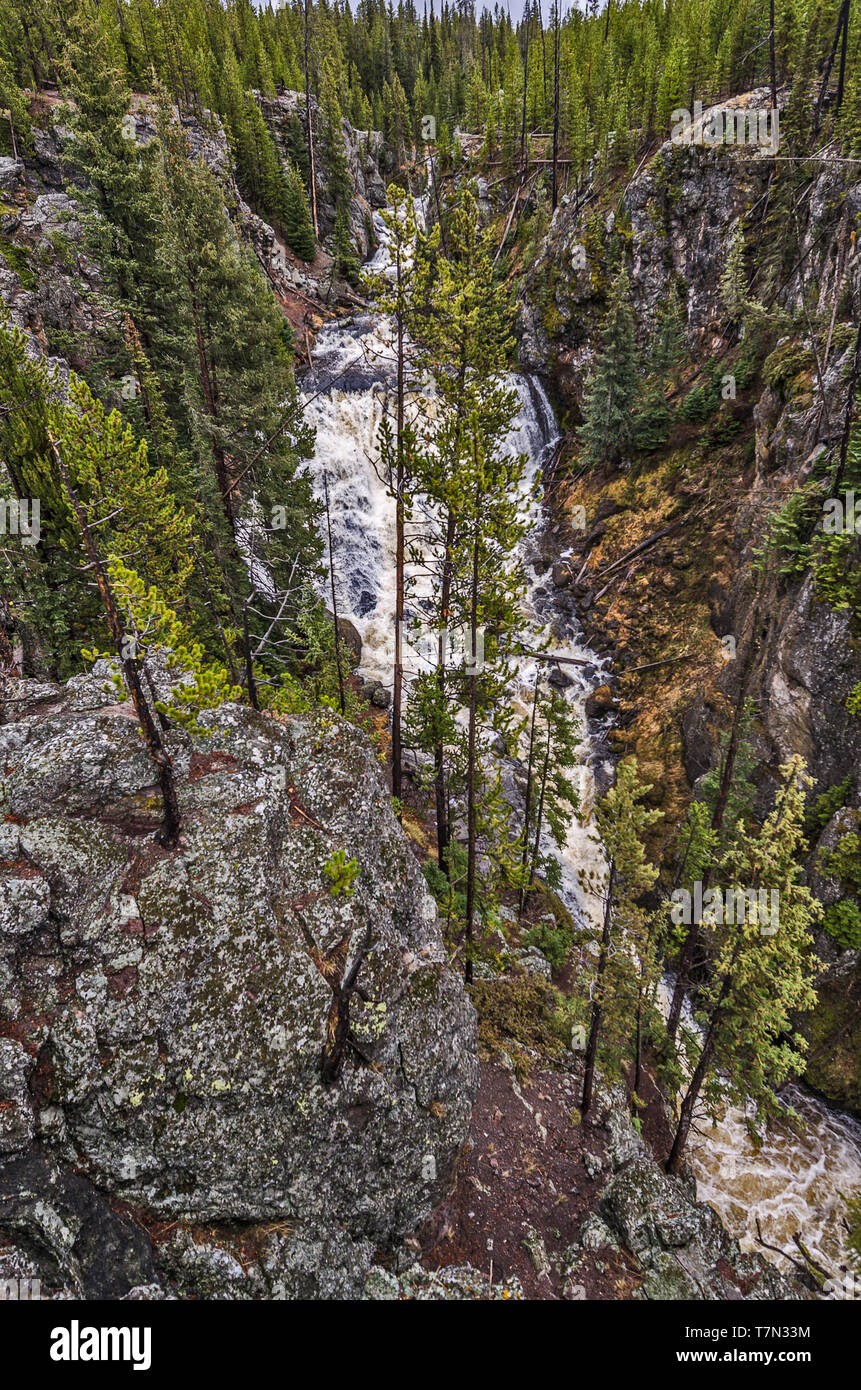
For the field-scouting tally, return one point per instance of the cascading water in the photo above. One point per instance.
(795, 1180)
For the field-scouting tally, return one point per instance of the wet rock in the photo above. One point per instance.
(352, 640)
(559, 678)
(77, 1242)
(636, 1202)
(375, 694)
(362, 150)
(600, 702)
(680, 1244)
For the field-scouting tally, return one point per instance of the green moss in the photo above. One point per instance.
(520, 1012)
(18, 261)
(833, 1030)
(788, 361)
(825, 806)
(842, 921)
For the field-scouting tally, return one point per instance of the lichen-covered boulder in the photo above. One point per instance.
(226, 1032)
(680, 1245)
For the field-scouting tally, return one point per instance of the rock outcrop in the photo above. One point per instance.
(363, 152)
(699, 597)
(217, 1035)
(50, 285)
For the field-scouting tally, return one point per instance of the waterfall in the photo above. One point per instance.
(793, 1182)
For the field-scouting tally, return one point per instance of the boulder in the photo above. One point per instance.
(82, 1247)
(177, 1009)
(599, 702)
(680, 1245)
(351, 637)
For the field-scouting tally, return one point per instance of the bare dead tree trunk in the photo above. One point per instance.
(527, 15)
(309, 129)
(597, 1005)
(840, 32)
(337, 632)
(686, 1113)
(848, 415)
(250, 682)
(556, 104)
(172, 825)
(772, 60)
(842, 75)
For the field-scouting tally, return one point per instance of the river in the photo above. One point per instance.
(796, 1180)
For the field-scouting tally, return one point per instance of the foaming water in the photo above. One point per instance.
(794, 1182)
(350, 388)
(792, 1177)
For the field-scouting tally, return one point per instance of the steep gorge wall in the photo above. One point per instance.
(694, 606)
(50, 285)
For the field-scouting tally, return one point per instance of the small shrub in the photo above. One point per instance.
(340, 871)
(842, 921)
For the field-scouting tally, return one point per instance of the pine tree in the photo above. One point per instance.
(733, 283)
(343, 250)
(760, 969)
(622, 821)
(340, 184)
(608, 428)
(461, 321)
(86, 457)
(551, 799)
(394, 295)
(298, 230)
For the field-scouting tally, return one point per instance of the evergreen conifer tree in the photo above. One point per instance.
(608, 428)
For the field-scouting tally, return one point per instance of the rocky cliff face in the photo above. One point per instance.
(49, 285)
(694, 601)
(364, 152)
(215, 1036)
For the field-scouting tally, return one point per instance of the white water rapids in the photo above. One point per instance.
(795, 1182)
